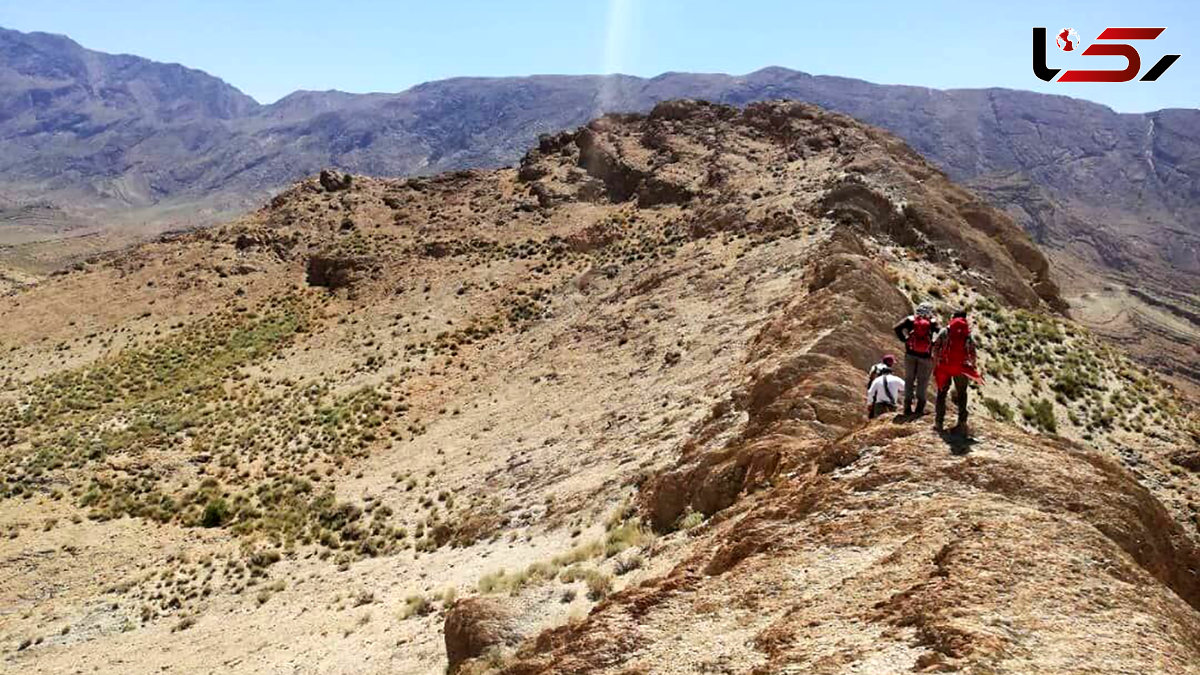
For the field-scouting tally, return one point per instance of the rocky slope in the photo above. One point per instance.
(601, 412)
(1111, 196)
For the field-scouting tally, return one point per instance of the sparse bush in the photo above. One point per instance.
(628, 564)
(628, 534)
(599, 585)
(998, 409)
(690, 519)
(216, 512)
(1040, 414)
(415, 605)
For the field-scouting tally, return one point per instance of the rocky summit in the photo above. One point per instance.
(601, 412)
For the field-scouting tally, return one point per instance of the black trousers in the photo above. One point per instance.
(960, 400)
(881, 408)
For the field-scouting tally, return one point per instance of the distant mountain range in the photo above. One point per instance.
(1115, 198)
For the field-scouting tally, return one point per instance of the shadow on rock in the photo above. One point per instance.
(959, 442)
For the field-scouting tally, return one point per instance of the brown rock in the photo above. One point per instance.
(475, 625)
(335, 271)
(333, 180)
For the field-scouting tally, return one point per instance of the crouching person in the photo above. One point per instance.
(886, 365)
(883, 393)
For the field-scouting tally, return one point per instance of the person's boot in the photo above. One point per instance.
(920, 408)
(960, 427)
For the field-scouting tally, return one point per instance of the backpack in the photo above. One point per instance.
(920, 338)
(955, 350)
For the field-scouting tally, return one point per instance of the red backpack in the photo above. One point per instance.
(957, 355)
(955, 351)
(920, 338)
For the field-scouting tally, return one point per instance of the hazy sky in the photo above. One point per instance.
(268, 48)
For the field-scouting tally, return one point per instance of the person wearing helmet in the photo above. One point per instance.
(917, 331)
(886, 365)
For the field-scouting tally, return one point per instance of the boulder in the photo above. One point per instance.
(333, 180)
(474, 626)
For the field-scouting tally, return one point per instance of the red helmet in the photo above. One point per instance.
(889, 360)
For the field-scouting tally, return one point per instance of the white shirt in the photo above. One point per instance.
(885, 389)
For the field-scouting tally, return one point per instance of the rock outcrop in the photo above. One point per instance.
(474, 626)
(333, 180)
(337, 269)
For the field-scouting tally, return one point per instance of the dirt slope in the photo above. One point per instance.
(602, 412)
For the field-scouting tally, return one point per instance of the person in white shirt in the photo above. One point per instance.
(885, 390)
(885, 365)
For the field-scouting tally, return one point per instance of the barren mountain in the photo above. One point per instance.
(601, 412)
(102, 139)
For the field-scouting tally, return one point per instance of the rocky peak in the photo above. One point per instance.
(761, 162)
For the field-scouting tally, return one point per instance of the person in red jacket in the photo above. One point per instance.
(955, 361)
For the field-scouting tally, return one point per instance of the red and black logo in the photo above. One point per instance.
(1068, 41)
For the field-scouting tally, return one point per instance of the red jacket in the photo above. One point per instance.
(954, 354)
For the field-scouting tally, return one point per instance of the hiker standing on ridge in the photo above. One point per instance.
(917, 332)
(885, 365)
(954, 354)
(883, 393)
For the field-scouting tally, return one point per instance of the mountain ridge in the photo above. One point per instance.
(603, 412)
(764, 70)
(1115, 197)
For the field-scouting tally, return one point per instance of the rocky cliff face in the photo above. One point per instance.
(599, 412)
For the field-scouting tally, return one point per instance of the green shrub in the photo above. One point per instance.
(415, 605)
(1040, 413)
(216, 513)
(998, 409)
(1072, 382)
(690, 519)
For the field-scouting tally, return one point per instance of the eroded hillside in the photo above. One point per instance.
(598, 413)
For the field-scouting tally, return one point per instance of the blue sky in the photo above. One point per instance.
(268, 48)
